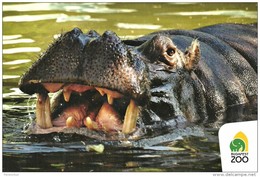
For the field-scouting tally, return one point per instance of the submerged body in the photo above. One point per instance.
(178, 76)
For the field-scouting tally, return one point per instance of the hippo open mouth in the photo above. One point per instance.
(75, 105)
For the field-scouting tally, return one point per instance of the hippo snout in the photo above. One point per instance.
(97, 79)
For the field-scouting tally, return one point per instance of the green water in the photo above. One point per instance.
(28, 29)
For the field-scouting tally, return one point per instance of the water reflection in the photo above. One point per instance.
(79, 18)
(17, 41)
(21, 50)
(17, 62)
(10, 77)
(10, 37)
(31, 18)
(138, 26)
(58, 17)
(15, 92)
(231, 13)
(68, 7)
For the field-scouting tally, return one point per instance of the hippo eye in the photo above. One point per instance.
(170, 52)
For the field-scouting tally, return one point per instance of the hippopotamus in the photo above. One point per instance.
(172, 77)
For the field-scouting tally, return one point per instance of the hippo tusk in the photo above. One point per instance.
(66, 94)
(43, 117)
(130, 119)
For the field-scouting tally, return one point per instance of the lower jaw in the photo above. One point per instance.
(44, 120)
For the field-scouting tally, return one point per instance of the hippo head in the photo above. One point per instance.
(106, 84)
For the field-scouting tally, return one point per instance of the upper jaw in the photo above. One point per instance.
(84, 66)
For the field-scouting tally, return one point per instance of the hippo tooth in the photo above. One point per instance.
(110, 99)
(91, 124)
(113, 94)
(130, 119)
(43, 112)
(66, 94)
(100, 90)
(71, 122)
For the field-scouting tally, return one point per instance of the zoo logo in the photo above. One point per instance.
(239, 148)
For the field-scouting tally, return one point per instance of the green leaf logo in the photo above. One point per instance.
(239, 143)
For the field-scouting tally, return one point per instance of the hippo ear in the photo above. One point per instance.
(192, 55)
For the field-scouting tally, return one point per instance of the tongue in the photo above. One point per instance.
(72, 116)
(108, 119)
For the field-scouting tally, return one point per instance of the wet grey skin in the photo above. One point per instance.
(184, 76)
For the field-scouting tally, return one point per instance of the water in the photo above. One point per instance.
(28, 29)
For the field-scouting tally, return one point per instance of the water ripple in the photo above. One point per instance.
(17, 62)
(138, 26)
(10, 76)
(21, 50)
(58, 17)
(232, 13)
(31, 18)
(17, 41)
(79, 18)
(10, 37)
(68, 7)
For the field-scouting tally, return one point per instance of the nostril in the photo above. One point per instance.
(77, 35)
(93, 33)
(110, 36)
(76, 32)
(84, 39)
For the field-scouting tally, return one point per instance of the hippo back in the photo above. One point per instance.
(243, 38)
